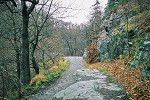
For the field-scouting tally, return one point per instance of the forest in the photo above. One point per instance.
(31, 35)
(34, 39)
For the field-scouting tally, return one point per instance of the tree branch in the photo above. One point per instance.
(32, 6)
(33, 1)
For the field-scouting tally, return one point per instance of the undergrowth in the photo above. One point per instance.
(44, 77)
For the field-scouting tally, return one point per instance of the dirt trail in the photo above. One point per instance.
(78, 83)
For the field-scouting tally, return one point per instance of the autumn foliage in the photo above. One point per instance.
(92, 53)
(136, 86)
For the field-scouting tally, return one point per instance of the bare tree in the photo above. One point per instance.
(25, 39)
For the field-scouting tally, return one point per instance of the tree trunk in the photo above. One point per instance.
(35, 65)
(18, 72)
(25, 46)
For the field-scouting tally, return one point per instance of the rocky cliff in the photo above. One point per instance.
(126, 34)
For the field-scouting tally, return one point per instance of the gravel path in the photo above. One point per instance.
(78, 83)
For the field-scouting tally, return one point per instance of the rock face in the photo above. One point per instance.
(111, 48)
(143, 56)
(125, 38)
(85, 54)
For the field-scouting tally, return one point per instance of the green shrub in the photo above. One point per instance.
(14, 97)
(141, 41)
(38, 84)
(65, 65)
(122, 57)
(59, 72)
(68, 62)
(61, 59)
(52, 75)
(118, 35)
(26, 87)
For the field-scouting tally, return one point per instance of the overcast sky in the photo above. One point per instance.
(80, 16)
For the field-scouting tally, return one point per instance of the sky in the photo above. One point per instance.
(81, 10)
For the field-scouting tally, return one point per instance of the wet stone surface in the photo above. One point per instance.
(78, 83)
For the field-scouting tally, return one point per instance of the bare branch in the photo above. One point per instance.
(32, 6)
(33, 1)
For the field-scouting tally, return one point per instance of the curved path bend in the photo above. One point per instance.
(78, 83)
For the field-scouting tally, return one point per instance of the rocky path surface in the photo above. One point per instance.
(78, 83)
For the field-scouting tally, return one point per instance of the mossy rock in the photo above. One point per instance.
(146, 71)
(134, 64)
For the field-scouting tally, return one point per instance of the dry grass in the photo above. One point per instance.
(37, 78)
(54, 69)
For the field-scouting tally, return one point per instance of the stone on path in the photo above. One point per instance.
(87, 89)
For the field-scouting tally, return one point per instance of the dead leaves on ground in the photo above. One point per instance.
(135, 84)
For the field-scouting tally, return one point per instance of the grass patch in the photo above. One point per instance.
(86, 67)
(103, 69)
(64, 65)
(110, 78)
